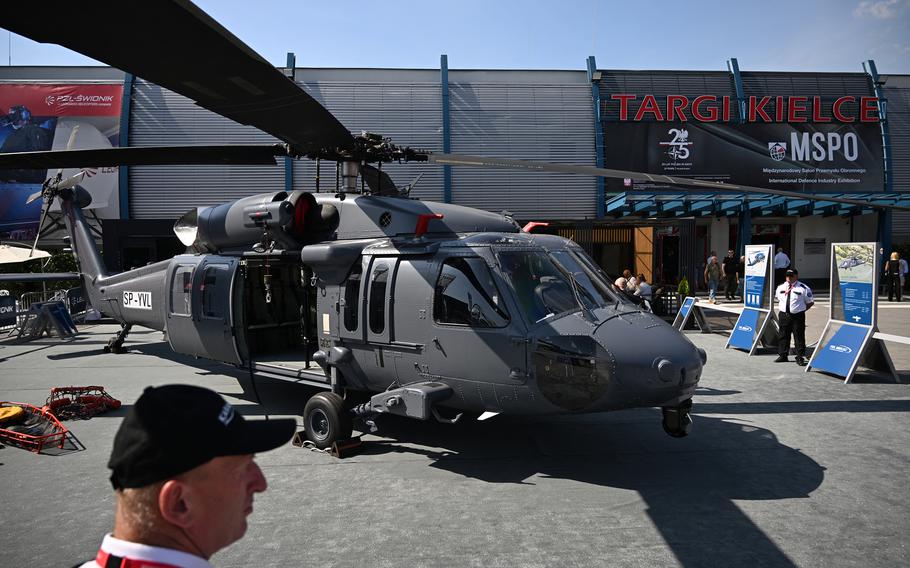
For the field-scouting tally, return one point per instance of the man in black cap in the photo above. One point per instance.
(184, 476)
(793, 298)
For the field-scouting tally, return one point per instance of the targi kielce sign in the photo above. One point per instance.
(796, 143)
(848, 340)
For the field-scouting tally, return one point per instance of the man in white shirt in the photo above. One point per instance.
(793, 299)
(184, 478)
(781, 263)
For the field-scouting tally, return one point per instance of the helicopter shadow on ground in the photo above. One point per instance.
(688, 486)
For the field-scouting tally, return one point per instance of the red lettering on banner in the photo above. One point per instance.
(676, 105)
(779, 109)
(797, 105)
(623, 105)
(726, 109)
(817, 111)
(868, 109)
(838, 114)
(757, 108)
(649, 104)
(712, 110)
(63, 100)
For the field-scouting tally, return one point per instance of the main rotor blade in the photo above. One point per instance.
(145, 155)
(380, 183)
(714, 186)
(175, 44)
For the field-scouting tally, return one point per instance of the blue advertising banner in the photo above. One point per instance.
(686, 306)
(756, 275)
(857, 302)
(838, 354)
(746, 330)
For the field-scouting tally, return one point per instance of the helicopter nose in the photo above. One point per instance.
(655, 364)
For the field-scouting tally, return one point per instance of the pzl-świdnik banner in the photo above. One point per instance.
(41, 117)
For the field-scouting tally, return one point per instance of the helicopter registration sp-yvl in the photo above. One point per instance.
(435, 310)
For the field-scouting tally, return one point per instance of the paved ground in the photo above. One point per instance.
(783, 468)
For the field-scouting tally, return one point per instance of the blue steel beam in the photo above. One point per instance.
(733, 66)
(598, 135)
(446, 127)
(288, 161)
(123, 175)
(869, 67)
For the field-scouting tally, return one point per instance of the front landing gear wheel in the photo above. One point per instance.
(326, 420)
(677, 421)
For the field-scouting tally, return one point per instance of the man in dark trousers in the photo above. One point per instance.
(731, 275)
(793, 299)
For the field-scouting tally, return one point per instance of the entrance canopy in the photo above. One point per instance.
(10, 254)
(670, 204)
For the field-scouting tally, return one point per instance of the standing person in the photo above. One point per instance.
(184, 478)
(712, 278)
(904, 270)
(893, 277)
(793, 299)
(781, 264)
(730, 268)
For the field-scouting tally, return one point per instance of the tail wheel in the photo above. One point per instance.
(326, 420)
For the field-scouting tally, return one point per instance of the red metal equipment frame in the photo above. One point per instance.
(36, 444)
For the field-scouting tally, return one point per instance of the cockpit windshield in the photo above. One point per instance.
(549, 283)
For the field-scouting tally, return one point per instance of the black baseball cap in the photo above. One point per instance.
(174, 428)
(792, 272)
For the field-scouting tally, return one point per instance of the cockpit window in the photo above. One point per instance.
(466, 295)
(551, 283)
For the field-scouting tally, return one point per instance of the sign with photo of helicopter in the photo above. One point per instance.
(750, 326)
(847, 341)
(854, 266)
(35, 117)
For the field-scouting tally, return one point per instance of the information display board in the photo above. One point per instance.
(752, 323)
(847, 341)
(683, 314)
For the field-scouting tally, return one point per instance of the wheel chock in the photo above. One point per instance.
(298, 439)
(346, 448)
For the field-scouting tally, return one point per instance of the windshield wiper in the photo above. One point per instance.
(588, 312)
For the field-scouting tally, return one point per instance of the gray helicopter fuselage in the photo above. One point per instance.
(512, 322)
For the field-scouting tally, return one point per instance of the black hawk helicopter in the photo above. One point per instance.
(431, 310)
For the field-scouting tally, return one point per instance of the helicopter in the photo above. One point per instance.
(388, 304)
(758, 257)
(851, 262)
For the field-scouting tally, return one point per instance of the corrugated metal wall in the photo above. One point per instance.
(162, 117)
(534, 121)
(408, 113)
(897, 92)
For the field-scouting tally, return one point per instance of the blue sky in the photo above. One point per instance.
(775, 35)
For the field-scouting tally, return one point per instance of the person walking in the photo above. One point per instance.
(712, 278)
(794, 298)
(781, 263)
(730, 271)
(184, 478)
(893, 277)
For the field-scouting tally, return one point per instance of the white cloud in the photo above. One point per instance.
(881, 9)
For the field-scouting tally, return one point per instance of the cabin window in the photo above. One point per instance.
(466, 295)
(352, 297)
(214, 278)
(181, 289)
(378, 285)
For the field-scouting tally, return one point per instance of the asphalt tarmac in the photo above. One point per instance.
(782, 468)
